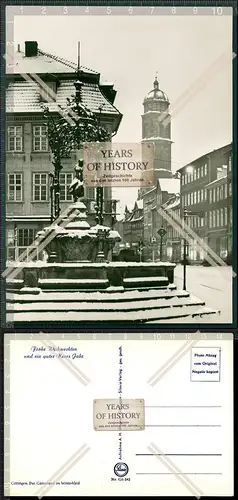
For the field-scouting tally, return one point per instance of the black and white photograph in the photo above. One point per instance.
(119, 166)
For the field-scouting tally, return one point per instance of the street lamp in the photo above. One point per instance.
(161, 232)
(153, 241)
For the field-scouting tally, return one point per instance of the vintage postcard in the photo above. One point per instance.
(119, 165)
(119, 414)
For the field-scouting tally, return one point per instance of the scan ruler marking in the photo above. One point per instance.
(168, 9)
(6, 415)
(122, 336)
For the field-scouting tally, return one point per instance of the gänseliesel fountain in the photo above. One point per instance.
(79, 255)
(74, 240)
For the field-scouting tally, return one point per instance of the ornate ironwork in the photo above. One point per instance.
(64, 136)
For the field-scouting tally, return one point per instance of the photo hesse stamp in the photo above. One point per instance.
(119, 415)
(107, 164)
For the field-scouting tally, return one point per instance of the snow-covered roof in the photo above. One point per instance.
(148, 192)
(106, 84)
(156, 94)
(222, 180)
(152, 111)
(205, 155)
(137, 219)
(172, 203)
(120, 218)
(157, 138)
(43, 62)
(139, 204)
(163, 170)
(169, 185)
(22, 97)
(129, 207)
(129, 218)
(23, 94)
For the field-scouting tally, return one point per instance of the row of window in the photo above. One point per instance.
(195, 197)
(15, 138)
(40, 187)
(155, 106)
(216, 194)
(199, 172)
(218, 218)
(220, 192)
(212, 219)
(196, 174)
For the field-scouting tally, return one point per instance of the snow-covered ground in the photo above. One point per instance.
(212, 284)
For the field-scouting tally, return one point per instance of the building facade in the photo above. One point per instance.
(197, 181)
(28, 156)
(153, 220)
(219, 216)
(132, 225)
(172, 237)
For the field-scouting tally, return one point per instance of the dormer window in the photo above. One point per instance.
(48, 92)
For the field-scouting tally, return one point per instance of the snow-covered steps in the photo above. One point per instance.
(145, 282)
(125, 307)
(109, 295)
(93, 294)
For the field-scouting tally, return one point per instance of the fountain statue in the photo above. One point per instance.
(75, 240)
(76, 187)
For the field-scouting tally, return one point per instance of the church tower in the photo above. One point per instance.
(156, 128)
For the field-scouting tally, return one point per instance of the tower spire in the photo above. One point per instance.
(156, 83)
(78, 57)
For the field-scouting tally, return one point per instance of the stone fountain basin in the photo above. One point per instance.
(72, 244)
(100, 275)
